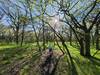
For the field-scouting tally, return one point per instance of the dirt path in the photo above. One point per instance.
(37, 69)
(49, 67)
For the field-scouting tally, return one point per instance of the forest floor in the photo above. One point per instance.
(16, 60)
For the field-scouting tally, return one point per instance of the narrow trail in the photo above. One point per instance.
(40, 66)
(15, 68)
(49, 64)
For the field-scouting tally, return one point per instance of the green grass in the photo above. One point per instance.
(7, 46)
(27, 55)
(11, 55)
(83, 65)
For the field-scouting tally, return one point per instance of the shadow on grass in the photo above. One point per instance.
(94, 60)
(19, 66)
(10, 53)
(9, 56)
(89, 66)
(74, 71)
(68, 67)
(15, 60)
(73, 68)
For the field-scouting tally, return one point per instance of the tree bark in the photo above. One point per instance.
(70, 38)
(17, 36)
(43, 35)
(97, 43)
(97, 37)
(81, 46)
(87, 43)
(22, 39)
(93, 40)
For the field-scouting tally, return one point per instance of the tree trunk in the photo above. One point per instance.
(93, 40)
(70, 37)
(97, 43)
(17, 36)
(97, 37)
(43, 36)
(22, 39)
(87, 43)
(81, 46)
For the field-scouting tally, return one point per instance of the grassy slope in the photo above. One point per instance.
(11, 55)
(83, 66)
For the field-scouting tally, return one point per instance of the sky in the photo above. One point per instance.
(51, 10)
